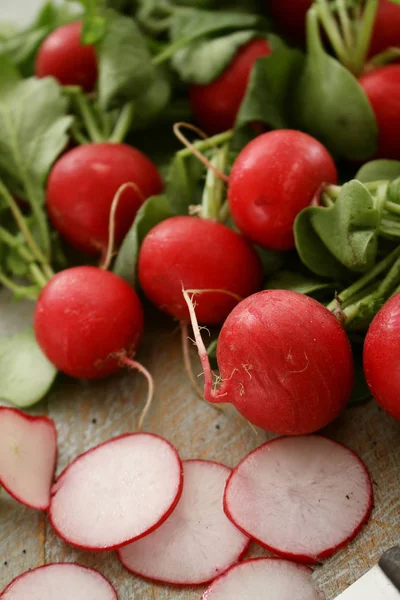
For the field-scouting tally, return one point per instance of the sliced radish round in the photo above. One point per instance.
(260, 578)
(60, 581)
(28, 454)
(302, 497)
(198, 541)
(117, 492)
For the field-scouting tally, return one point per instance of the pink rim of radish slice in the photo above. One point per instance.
(60, 581)
(259, 578)
(302, 498)
(197, 542)
(28, 455)
(116, 492)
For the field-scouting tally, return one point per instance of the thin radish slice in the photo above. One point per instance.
(260, 578)
(60, 581)
(198, 541)
(117, 492)
(28, 454)
(302, 497)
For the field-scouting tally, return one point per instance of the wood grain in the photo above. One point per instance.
(87, 414)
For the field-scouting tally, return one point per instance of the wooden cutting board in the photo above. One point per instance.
(87, 414)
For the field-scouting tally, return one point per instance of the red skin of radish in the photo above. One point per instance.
(33, 421)
(215, 105)
(382, 355)
(84, 315)
(382, 87)
(285, 362)
(386, 31)
(82, 185)
(62, 56)
(290, 15)
(197, 254)
(274, 177)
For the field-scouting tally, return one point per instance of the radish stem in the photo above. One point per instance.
(364, 35)
(208, 142)
(123, 124)
(88, 118)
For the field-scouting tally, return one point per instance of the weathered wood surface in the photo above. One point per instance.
(86, 414)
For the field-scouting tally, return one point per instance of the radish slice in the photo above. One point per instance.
(260, 578)
(28, 454)
(60, 581)
(117, 492)
(302, 498)
(198, 541)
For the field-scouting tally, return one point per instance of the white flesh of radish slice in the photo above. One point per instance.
(61, 581)
(198, 541)
(116, 492)
(302, 497)
(28, 454)
(262, 578)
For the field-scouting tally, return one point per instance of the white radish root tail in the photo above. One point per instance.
(133, 364)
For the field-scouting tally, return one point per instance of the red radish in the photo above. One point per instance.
(83, 316)
(274, 177)
(63, 581)
(302, 498)
(253, 579)
(386, 31)
(382, 87)
(81, 188)
(198, 254)
(197, 542)
(216, 104)
(116, 492)
(381, 356)
(285, 362)
(28, 454)
(64, 57)
(290, 16)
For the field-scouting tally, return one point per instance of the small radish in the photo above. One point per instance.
(290, 15)
(285, 362)
(61, 581)
(302, 498)
(381, 357)
(382, 87)
(274, 177)
(216, 104)
(262, 578)
(28, 454)
(64, 57)
(116, 492)
(81, 188)
(198, 254)
(197, 542)
(386, 31)
(84, 317)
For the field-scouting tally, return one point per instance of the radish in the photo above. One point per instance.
(216, 104)
(302, 498)
(253, 579)
(81, 188)
(116, 492)
(290, 15)
(382, 87)
(64, 57)
(386, 31)
(84, 317)
(198, 541)
(199, 254)
(285, 362)
(61, 581)
(274, 177)
(28, 454)
(381, 355)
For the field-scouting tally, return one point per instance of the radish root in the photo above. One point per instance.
(133, 364)
(111, 225)
(216, 291)
(182, 138)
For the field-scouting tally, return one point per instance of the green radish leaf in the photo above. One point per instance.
(183, 180)
(271, 260)
(154, 210)
(312, 251)
(152, 102)
(25, 373)
(15, 264)
(287, 280)
(265, 101)
(379, 170)
(125, 67)
(393, 191)
(9, 76)
(204, 60)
